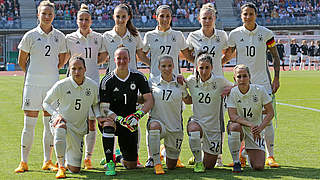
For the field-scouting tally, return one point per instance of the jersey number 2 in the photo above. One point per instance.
(48, 48)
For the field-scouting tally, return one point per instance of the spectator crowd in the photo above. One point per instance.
(9, 14)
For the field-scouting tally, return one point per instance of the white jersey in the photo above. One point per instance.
(74, 102)
(249, 105)
(159, 43)
(167, 106)
(112, 41)
(214, 45)
(251, 50)
(44, 50)
(87, 47)
(207, 100)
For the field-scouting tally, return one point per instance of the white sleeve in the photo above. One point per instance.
(52, 96)
(266, 98)
(102, 47)
(226, 82)
(224, 40)
(231, 99)
(182, 42)
(146, 46)
(62, 44)
(25, 43)
(139, 42)
(189, 41)
(95, 105)
(231, 41)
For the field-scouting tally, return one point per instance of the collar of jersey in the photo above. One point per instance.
(81, 36)
(125, 79)
(250, 32)
(201, 83)
(163, 33)
(242, 95)
(214, 34)
(42, 32)
(74, 84)
(114, 34)
(174, 79)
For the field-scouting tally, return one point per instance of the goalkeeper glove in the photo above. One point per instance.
(124, 123)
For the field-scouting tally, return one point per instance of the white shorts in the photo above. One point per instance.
(74, 146)
(304, 57)
(312, 59)
(211, 141)
(250, 143)
(293, 58)
(172, 140)
(33, 97)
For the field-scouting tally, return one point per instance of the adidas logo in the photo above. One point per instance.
(38, 39)
(239, 101)
(241, 40)
(200, 40)
(116, 89)
(112, 41)
(68, 92)
(78, 42)
(156, 40)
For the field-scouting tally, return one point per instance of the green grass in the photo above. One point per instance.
(297, 142)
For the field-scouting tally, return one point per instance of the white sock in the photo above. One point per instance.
(195, 145)
(302, 66)
(47, 139)
(269, 139)
(294, 65)
(147, 143)
(290, 64)
(90, 140)
(139, 138)
(234, 145)
(309, 66)
(154, 145)
(27, 137)
(60, 145)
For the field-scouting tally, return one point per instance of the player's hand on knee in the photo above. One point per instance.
(58, 119)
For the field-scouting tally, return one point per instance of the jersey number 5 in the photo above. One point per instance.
(77, 105)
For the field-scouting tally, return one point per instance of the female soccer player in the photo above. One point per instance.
(304, 54)
(210, 40)
(251, 42)
(245, 105)
(318, 54)
(312, 59)
(124, 33)
(206, 125)
(294, 49)
(42, 53)
(89, 45)
(164, 41)
(165, 121)
(118, 92)
(77, 95)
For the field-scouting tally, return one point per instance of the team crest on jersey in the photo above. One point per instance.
(56, 39)
(88, 92)
(26, 102)
(255, 98)
(95, 41)
(259, 37)
(130, 39)
(133, 86)
(174, 39)
(218, 39)
(214, 86)
(78, 42)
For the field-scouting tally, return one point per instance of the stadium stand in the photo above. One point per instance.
(10, 14)
(284, 12)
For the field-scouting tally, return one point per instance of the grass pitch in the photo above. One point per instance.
(297, 145)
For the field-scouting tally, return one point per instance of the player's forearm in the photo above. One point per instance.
(269, 114)
(62, 60)
(276, 61)
(228, 55)
(188, 55)
(102, 57)
(49, 108)
(143, 57)
(148, 102)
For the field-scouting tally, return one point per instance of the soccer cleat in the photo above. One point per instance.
(243, 161)
(110, 168)
(219, 162)
(199, 167)
(191, 161)
(179, 164)
(61, 173)
(271, 162)
(149, 163)
(23, 166)
(158, 169)
(139, 165)
(103, 161)
(49, 166)
(237, 167)
(87, 164)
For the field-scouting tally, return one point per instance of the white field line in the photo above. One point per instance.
(304, 99)
(300, 107)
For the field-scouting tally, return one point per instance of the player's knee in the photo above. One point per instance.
(154, 126)
(61, 125)
(31, 113)
(171, 166)
(258, 167)
(108, 123)
(234, 127)
(208, 165)
(74, 169)
(45, 113)
(108, 130)
(130, 164)
(193, 126)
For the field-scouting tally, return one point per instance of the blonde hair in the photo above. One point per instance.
(208, 7)
(83, 9)
(46, 3)
(241, 66)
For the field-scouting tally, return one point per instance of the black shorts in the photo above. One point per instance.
(128, 142)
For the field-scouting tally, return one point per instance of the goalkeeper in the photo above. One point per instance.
(118, 98)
